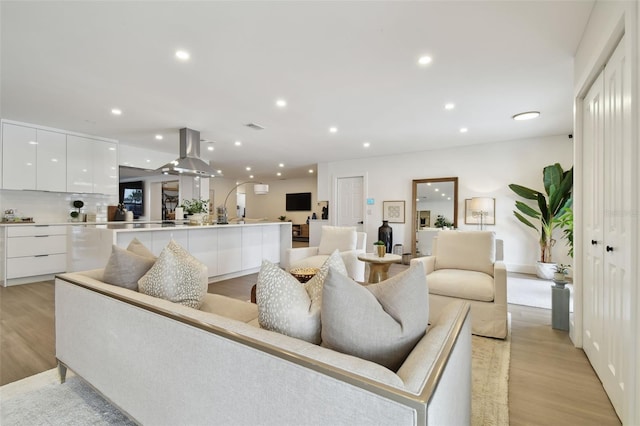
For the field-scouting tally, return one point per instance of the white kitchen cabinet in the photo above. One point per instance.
(105, 167)
(33, 252)
(271, 243)
(251, 247)
(229, 250)
(201, 242)
(51, 161)
(19, 157)
(79, 164)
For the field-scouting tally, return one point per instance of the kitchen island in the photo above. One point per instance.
(228, 250)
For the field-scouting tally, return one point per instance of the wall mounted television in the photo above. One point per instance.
(299, 202)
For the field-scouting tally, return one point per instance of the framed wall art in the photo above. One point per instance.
(393, 211)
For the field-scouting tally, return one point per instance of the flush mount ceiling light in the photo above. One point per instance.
(529, 115)
(183, 55)
(424, 60)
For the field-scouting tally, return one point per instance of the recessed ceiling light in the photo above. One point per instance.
(310, 170)
(425, 60)
(33, 143)
(31, 164)
(278, 174)
(148, 161)
(219, 171)
(449, 106)
(116, 111)
(55, 160)
(437, 189)
(237, 143)
(281, 103)
(281, 165)
(333, 129)
(183, 55)
(248, 168)
(463, 130)
(366, 144)
(529, 115)
(159, 137)
(210, 147)
(250, 176)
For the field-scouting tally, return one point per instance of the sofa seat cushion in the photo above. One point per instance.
(461, 284)
(230, 308)
(380, 322)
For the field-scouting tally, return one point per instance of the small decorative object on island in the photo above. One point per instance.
(380, 248)
(198, 210)
(560, 274)
(282, 218)
(547, 210)
(76, 215)
(385, 234)
(120, 213)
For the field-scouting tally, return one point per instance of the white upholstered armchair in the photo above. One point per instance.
(348, 242)
(468, 265)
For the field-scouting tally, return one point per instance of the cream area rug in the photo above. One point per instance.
(42, 400)
(490, 361)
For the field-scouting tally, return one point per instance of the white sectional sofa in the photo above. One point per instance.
(166, 364)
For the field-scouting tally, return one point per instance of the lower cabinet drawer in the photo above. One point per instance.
(28, 266)
(32, 246)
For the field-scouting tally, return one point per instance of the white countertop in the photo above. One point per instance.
(140, 225)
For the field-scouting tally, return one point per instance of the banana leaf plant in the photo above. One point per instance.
(543, 215)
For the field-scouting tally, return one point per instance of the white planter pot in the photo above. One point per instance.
(545, 270)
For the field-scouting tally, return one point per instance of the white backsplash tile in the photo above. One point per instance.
(54, 207)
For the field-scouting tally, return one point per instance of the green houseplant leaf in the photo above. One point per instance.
(545, 210)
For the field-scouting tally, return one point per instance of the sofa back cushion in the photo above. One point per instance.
(469, 250)
(380, 322)
(341, 238)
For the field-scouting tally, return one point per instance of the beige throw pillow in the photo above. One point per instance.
(289, 307)
(124, 268)
(379, 322)
(176, 276)
(135, 246)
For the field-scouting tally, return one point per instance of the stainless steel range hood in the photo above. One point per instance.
(189, 163)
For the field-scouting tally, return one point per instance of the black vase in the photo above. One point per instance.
(385, 234)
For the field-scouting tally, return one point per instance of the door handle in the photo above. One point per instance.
(609, 248)
(594, 243)
(361, 222)
(41, 255)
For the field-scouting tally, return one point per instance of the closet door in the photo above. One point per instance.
(593, 208)
(609, 334)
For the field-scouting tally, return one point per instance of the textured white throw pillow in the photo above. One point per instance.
(289, 307)
(380, 322)
(341, 238)
(177, 276)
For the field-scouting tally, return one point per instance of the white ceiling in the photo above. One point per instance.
(352, 65)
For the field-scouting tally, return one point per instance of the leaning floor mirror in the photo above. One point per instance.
(435, 206)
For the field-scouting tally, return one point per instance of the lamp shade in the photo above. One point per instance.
(260, 189)
(481, 204)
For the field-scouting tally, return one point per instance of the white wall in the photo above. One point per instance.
(54, 207)
(483, 170)
(273, 204)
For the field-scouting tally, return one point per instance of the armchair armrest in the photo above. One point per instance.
(500, 283)
(296, 254)
(427, 262)
(355, 267)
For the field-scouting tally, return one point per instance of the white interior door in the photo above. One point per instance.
(350, 202)
(609, 333)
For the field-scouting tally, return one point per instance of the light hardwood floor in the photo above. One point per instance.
(551, 382)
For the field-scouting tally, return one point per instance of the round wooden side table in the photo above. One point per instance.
(379, 266)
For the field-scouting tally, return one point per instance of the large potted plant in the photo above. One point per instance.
(543, 215)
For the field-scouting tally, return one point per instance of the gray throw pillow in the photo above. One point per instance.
(176, 276)
(125, 268)
(380, 322)
(289, 307)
